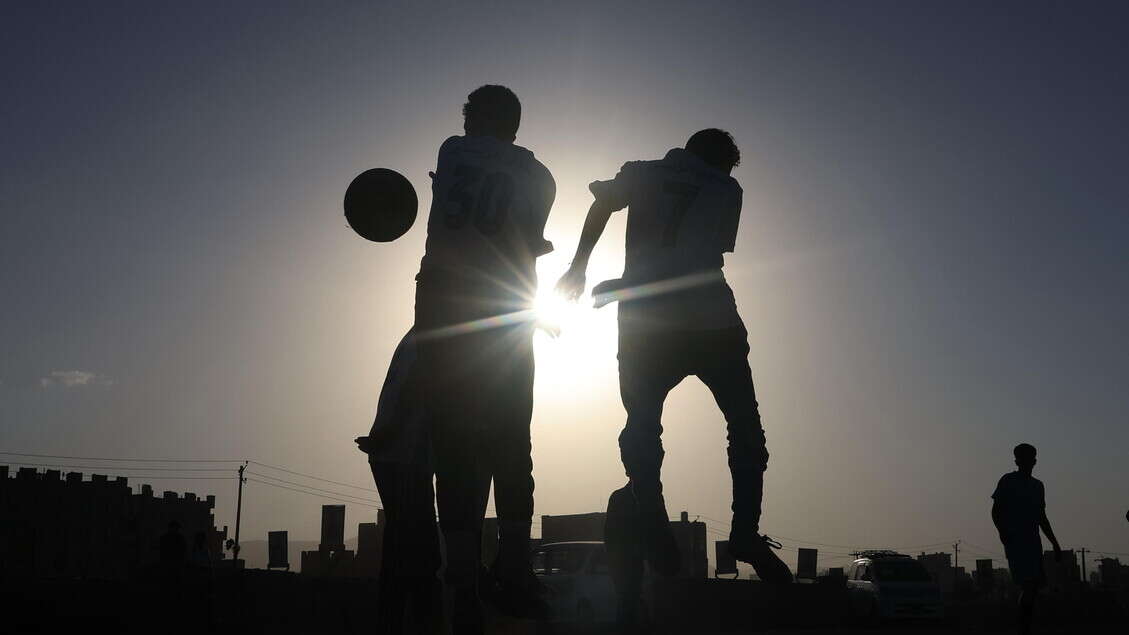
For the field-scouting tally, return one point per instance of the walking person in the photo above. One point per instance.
(1019, 511)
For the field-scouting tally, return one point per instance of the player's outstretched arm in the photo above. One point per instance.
(571, 284)
(1045, 525)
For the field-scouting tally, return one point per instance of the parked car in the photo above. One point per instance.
(579, 583)
(891, 585)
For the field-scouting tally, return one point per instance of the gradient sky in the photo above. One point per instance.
(931, 263)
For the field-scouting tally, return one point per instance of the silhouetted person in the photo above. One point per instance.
(399, 455)
(677, 317)
(200, 576)
(173, 547)
(170, 587)
(474, 292)
(200, 556)
(1019, 510)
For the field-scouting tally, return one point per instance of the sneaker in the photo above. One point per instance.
(757, 550)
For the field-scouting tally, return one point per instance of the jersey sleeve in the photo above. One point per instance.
(731, 220)
(1001, 489)
(616, 193)
(543, 197)
(444, 163)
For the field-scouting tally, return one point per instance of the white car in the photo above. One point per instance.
(890, 585)
(579, 583)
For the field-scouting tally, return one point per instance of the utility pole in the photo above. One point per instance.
(1085, 580)
(238, 513)
(956, 546)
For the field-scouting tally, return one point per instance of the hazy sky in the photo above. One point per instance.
(931, 263)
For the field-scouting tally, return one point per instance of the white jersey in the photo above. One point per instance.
(682, 217)
(399, 431)
(490, 202)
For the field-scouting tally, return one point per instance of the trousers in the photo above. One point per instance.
(651, 363)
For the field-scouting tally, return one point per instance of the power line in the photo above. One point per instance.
(101, 458)
(980, 550)
(159, 477)
(367, 500)
(174, 477)
(302, 491)
(316, 478)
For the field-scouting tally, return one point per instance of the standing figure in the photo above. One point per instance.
(678, 317)
(399, 455)
(1019, 511)
(474, 342)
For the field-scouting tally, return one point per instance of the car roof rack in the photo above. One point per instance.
(879, 553)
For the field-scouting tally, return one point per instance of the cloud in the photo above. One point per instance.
(74, 378)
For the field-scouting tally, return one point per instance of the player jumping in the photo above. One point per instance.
(474, 333)
(678, 317)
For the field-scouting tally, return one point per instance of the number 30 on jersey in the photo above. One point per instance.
(480, 197)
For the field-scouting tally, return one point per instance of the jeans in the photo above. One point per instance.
(410, 550)
(478, 387)
(651, 363)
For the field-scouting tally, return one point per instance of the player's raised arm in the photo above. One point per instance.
(571, 284)
(611, 196)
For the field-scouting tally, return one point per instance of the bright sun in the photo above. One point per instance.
(553, 310)
(580, 360)
(571, 337)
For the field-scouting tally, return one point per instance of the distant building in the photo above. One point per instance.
(691, 538)
(370, 537)
(278, 550)
(57, 526)
(724, 562)
(962, 582)
(572, 527)
(806, 563)
(1002, 577)
(332, 528)
(1063, 575)
(940, 568)
(984, 578)
(1112, 574)
(331, 559)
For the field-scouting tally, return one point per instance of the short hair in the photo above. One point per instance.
(1024, 451)
(715, 147)
(492, 110)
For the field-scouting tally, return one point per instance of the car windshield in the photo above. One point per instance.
(900, 571)
(559, 560)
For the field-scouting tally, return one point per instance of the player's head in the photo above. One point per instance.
(492, 110)
(715, 147)
(1025, 456)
